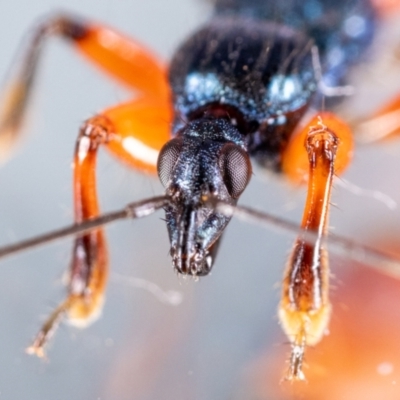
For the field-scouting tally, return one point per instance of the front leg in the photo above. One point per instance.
(134, 132)
(89, 265)
(305, 309)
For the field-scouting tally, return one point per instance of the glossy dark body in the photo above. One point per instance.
(260, 73)
(254, 60)
(342, 29)
(253, 67)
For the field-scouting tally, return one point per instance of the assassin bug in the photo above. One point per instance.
(228, 120)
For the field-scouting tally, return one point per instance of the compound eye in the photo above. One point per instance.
(167, 159)
(235, 167)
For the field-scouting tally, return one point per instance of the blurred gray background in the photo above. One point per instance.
(142, 348)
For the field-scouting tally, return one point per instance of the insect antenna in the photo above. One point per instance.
(134, 210)
(342, 246)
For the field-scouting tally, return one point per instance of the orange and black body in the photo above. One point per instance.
(242, 87)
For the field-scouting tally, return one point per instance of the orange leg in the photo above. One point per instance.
(382, 125)
(122, 58)
(305, 309)
(134, 132)
(123, 130)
